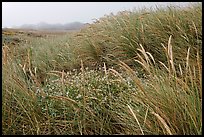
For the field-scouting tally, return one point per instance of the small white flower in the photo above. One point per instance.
(79, 96)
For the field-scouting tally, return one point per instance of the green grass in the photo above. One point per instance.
(131, 73)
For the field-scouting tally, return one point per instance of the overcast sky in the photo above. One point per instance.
(19, 13)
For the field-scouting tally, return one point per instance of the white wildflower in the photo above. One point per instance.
(79, 96)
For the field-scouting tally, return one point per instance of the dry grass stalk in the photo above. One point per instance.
(146, 115)
(105, 70)
(62, 80)
(143, 63)
(116, 73)
(142, 50)
(165, 66)
(163, 122)
(136, 119)
(170, 55)
(200, 73)
(187, 60)
(180, 69)
(84, 94)
(146, 63)
(151, 57)
(196, 30)
(29, 66)
(64, 98)
(5, 50)
(133, 75)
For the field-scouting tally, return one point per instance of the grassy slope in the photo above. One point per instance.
(49, 90)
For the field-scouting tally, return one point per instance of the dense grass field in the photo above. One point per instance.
(135, 73)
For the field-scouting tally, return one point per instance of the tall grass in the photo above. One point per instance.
(170, 99)
(118, 36)
(136, 73)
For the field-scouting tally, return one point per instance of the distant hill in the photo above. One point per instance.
(46, 26)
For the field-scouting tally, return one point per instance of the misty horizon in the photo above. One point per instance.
(15, 14)
(46, 23)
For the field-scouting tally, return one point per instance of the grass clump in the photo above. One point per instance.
(118, 36)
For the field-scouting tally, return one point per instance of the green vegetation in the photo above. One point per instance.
(135, 73)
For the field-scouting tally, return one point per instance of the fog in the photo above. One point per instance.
(19, 13)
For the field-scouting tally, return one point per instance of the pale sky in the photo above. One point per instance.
(19, 13)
